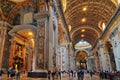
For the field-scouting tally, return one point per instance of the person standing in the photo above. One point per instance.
(1, 72)
(53, 74)
(59, 73)
(78, 74)
(49, 73)
(111, 75)
(12, 74)
(8, 72)
(17, 74)
(81, 74)
(72, 72)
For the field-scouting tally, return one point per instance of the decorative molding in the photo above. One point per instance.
(22, 27)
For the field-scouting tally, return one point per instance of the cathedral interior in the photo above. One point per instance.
(40, 35)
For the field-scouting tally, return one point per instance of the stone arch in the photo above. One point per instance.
(76, 52)
(14, 12)
(109, 50)
(81, 58)
(22, 46)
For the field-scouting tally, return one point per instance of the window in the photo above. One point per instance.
(103, 26)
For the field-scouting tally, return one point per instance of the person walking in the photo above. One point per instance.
(53, 74)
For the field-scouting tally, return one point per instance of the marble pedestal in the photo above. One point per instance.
(37, 74)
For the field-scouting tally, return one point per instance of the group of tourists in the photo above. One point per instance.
(96, 75)
(82, 74)
(11, 73)
(87, 75)
(57, 73)
(54, 74)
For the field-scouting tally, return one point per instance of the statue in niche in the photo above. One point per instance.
(18, 50)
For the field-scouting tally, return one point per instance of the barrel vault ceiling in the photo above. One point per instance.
(86, 17)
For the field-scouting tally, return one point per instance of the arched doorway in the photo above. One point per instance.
(22, 47)
(109, 50)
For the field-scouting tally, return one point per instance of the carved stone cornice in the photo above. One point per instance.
(22, 27)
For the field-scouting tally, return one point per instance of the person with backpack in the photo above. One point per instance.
(12, 74)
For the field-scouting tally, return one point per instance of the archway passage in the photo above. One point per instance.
(82, 44)
(22, 48)
(109, 50)
(81, 57)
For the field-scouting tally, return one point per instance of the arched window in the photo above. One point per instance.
(64, 2)
(103, 26)
(118, 1)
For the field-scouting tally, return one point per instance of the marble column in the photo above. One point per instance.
(115, 41)
(3, 29)
(102, 56)
(12, 50)
(40, 57)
